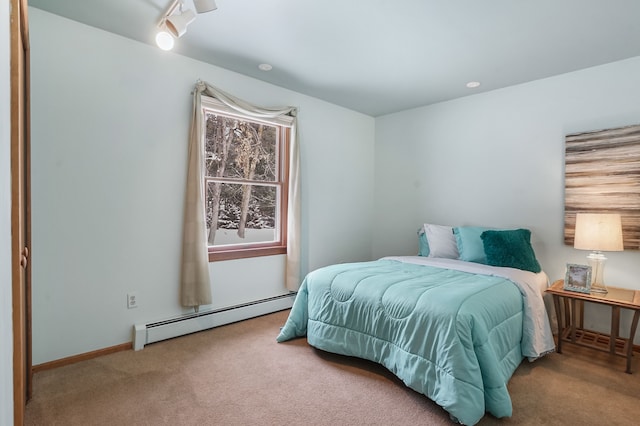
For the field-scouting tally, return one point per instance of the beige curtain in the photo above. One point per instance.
(195, 287)
(292, 275)
(195, 284)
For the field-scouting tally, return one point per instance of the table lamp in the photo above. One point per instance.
(598, 232)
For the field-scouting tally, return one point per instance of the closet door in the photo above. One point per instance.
(20, 208)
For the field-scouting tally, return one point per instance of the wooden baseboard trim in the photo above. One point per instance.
(81, 357)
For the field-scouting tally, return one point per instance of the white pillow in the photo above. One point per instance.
(442, 241)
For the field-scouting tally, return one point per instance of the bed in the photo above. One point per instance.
(451, 329)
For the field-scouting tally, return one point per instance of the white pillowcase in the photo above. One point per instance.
(442, 241)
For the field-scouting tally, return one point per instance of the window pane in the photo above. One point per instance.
(243, 214)
(240, 149)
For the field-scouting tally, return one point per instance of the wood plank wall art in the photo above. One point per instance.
(602, 175)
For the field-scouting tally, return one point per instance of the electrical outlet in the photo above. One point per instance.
(132, 300)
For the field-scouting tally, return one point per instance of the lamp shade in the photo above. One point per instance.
(203, 6)
(598, 231)
(177, 24)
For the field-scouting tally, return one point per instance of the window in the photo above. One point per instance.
(246, 178)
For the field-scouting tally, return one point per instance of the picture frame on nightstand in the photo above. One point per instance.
(578, 278)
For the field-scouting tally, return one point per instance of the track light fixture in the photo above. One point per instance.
(203, 6)
(164, 40)
(175, 24)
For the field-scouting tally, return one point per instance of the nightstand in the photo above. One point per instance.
(568, 306)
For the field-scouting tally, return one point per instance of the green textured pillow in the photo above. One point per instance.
(511, 248)
(470, 245)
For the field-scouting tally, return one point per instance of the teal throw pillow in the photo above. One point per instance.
(470, 245)
(510, 248)
(423, 244)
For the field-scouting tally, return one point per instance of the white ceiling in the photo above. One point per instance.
(383, 56)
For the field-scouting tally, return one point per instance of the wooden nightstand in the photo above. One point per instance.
(570, 321)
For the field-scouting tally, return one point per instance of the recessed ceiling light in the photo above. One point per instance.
(265, 67)
(473, 84)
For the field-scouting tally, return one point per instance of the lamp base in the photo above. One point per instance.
(599, 290)
(597, 260)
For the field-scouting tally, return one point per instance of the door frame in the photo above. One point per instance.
(20, 208)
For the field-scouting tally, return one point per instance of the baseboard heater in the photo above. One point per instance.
(144, 334)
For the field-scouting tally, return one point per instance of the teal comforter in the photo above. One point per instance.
(451, 335)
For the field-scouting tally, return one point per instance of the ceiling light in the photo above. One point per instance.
(203, 6)
(164, 40)
(473, 84)
(174, 24)
(265, 67)
(177, 24)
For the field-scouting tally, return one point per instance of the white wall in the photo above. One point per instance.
(497, 159)
(6, 330)
(110, 120)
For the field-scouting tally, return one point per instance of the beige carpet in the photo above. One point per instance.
(239, 375)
